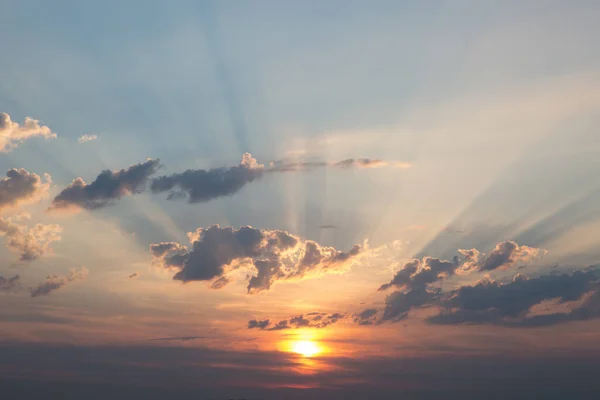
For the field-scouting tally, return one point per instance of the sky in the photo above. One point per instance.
(285, 199)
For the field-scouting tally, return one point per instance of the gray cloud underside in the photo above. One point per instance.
(106, 188)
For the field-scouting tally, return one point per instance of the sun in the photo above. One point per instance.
(306, 348)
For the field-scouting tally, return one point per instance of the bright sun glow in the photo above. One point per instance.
(306, 348)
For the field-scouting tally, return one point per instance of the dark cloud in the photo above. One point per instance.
(55, 282)
(30, 243)
(270, 255)
(13, 134)
(106, 188)
(21, 186)
(310, 320)
(202, 185)
(419, 273)
(511, 303)
(487, 302)
(258, 324)
(134, 275)
(10, 284)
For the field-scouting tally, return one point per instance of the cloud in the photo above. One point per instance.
(10, 284)
(511, 304)
(106, 188)
(310, 320)
(506, 254)
(21, 186)
(134, 275)
(415, 281)
(12, 134)
(205, 185)
(269, 255)
(419, 273)
(258, 324)
(86, 138)
(30, 243)
(55, 282)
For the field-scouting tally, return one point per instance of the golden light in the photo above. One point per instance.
(306, 348)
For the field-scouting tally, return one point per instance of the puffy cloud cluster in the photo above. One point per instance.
(204, 185)
(310, 320)
(55, 282)
(21, 186)
(30, 243)
(270, 255)
(10, 284)
(488, 301)
(106, 188)
(13, 134)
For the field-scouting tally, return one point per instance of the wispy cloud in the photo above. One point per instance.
(55, 282)
(86, 138)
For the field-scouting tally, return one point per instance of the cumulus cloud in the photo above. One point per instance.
(21, 186)
(55, 282)
(13, 134)
(311, 320)
(86, 138)
(269, 256)
(106, 188)
(30, 243)
(205, 185)
(10, 285)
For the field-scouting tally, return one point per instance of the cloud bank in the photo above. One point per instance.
(269, 256)
(106, 188)
(12, 134)
(55, 282)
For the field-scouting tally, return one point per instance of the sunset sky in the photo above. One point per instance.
(299, 199)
